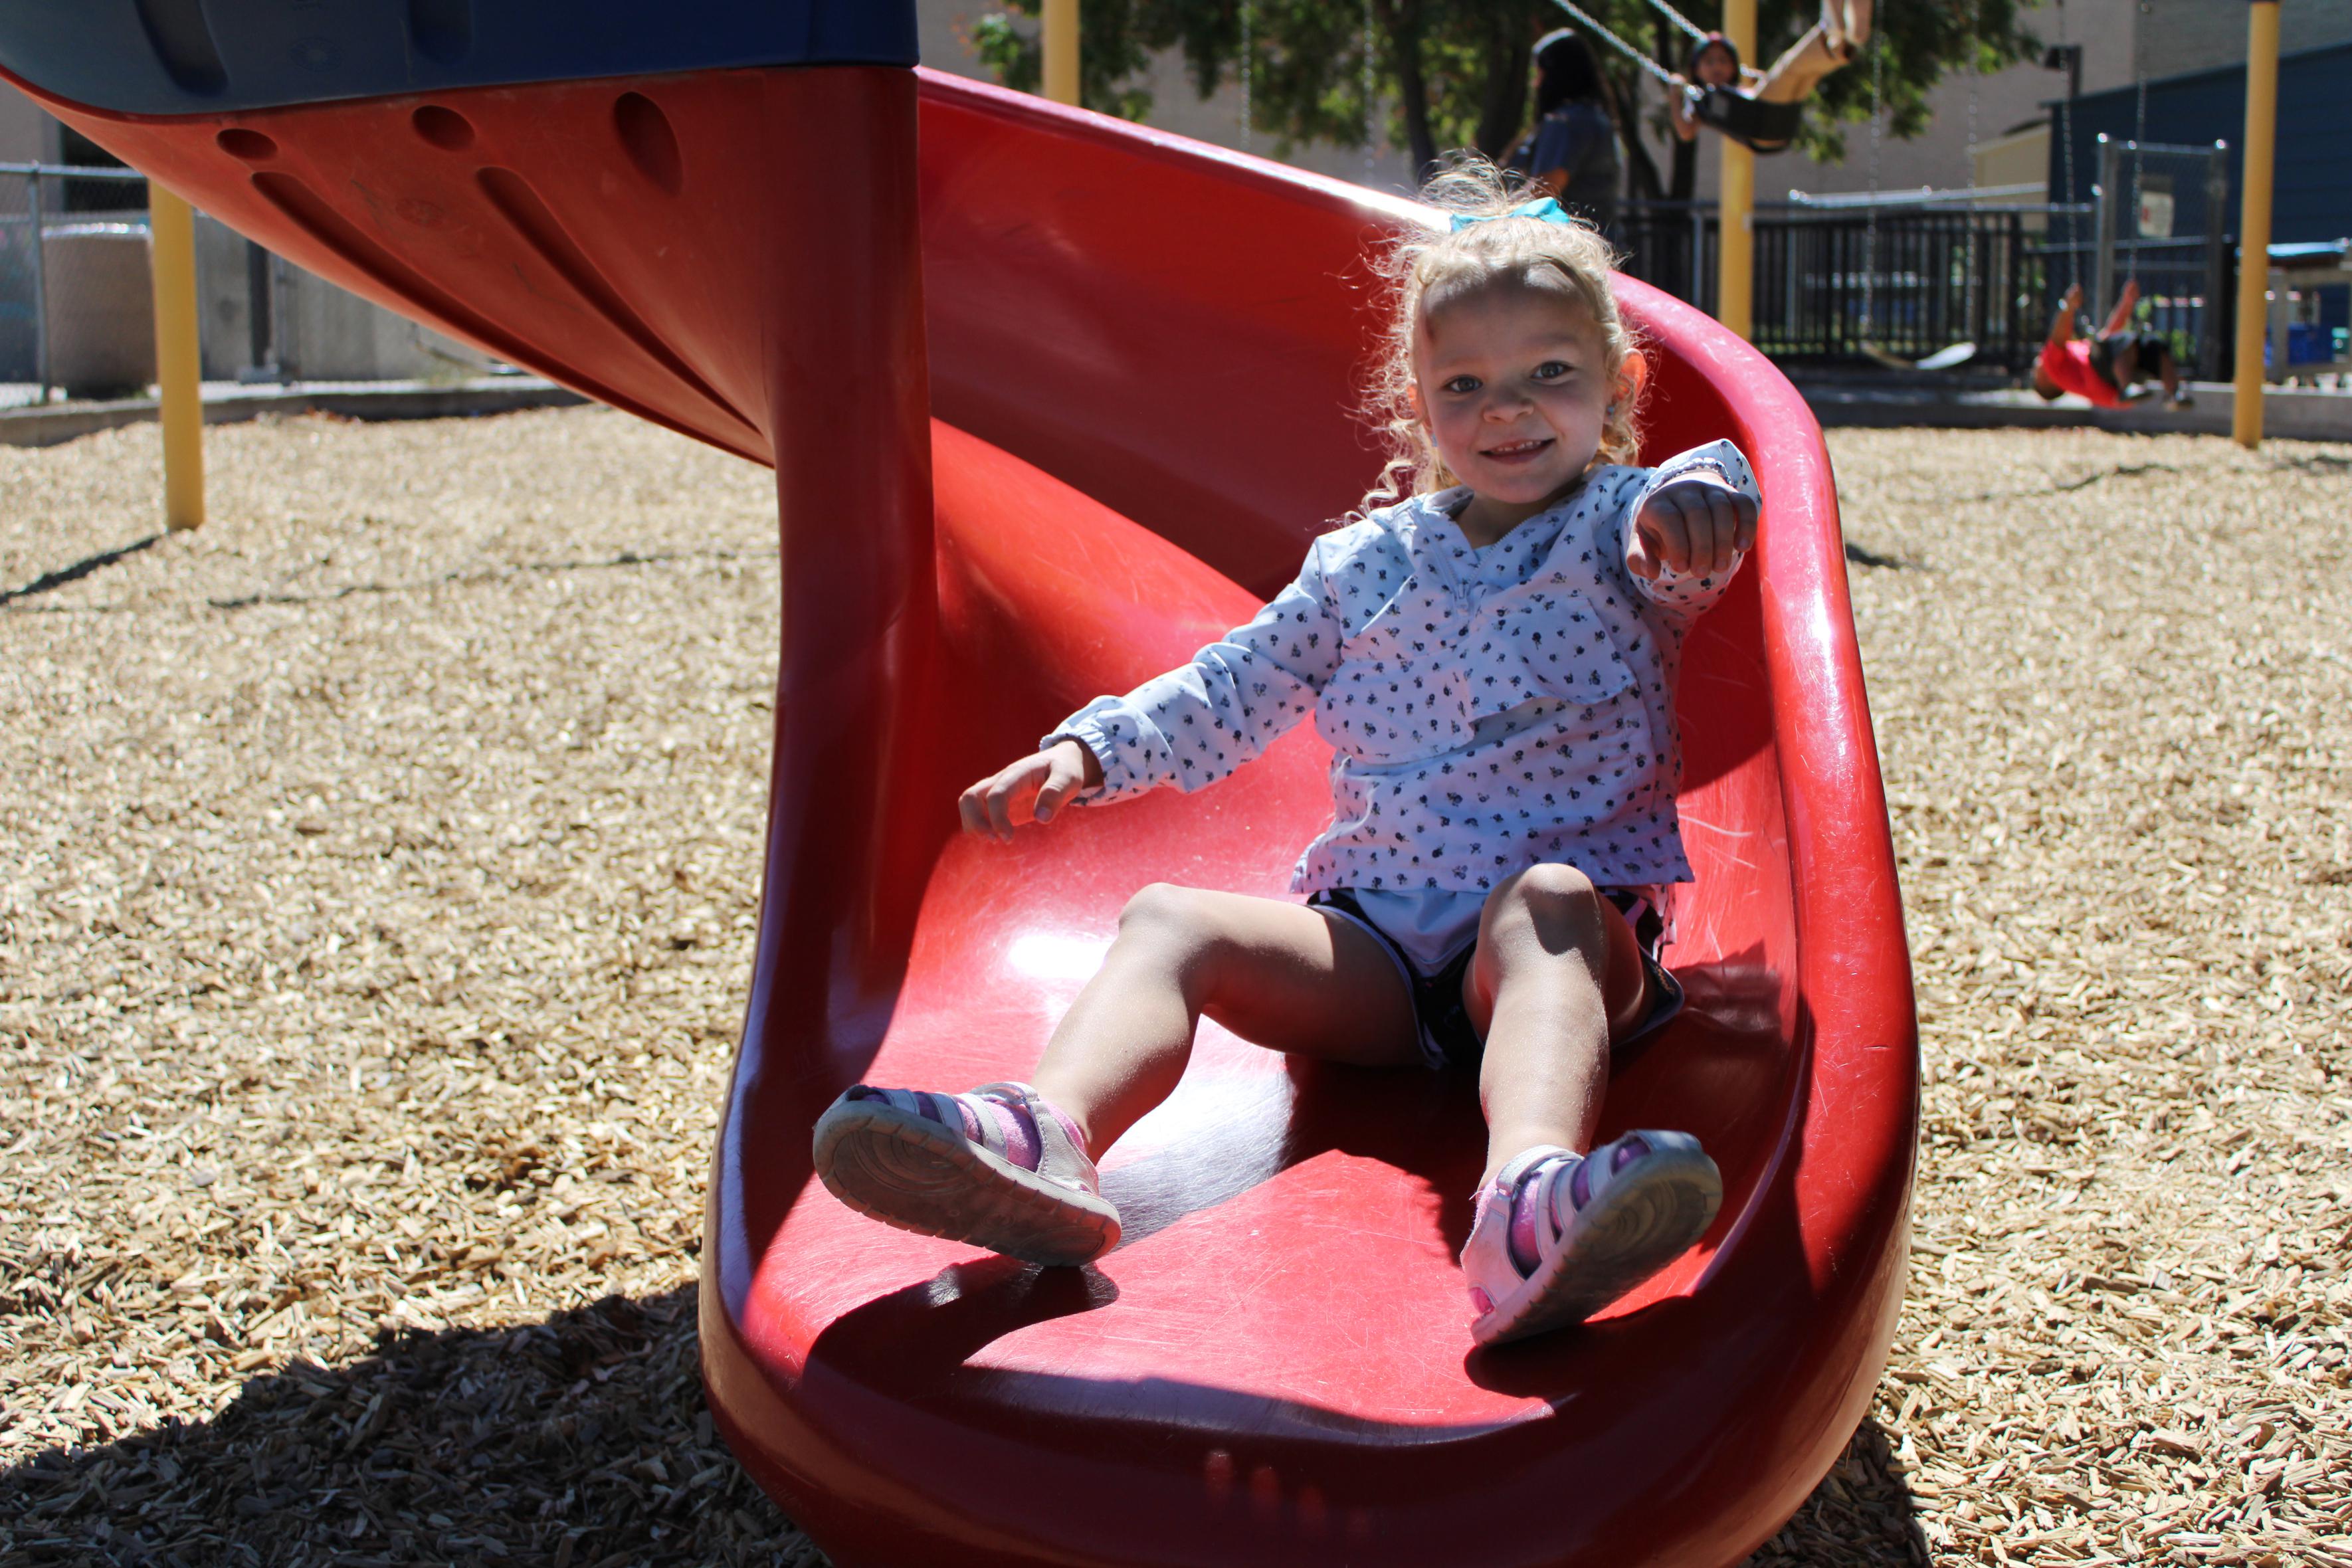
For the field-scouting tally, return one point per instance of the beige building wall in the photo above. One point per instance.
(2197, 35)
(27, 134)
(2019, 158)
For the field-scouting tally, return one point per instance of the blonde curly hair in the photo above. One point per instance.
(1422, 270)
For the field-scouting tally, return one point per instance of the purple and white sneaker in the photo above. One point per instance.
(1557, 1235)
(998, 1168)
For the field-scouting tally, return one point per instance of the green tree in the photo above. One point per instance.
(1455, 73)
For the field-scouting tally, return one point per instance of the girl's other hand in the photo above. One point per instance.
(1031, 790)
(1696, 526)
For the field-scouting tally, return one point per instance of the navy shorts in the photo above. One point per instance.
(1447, 1036)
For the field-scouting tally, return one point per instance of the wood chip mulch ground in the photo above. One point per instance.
(376, 908)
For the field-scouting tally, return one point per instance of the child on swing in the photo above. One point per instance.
(1829, 45)
(2106, 368)
(1492, 659)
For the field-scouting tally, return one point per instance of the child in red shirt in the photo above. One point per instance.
(2105, 369)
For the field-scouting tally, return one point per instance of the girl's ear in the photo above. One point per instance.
(1420, 412)
(1632, 374)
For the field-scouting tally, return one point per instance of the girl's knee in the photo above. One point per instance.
(1176, 929)
(1558, 905)
(1166, 915)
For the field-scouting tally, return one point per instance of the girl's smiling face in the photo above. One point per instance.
(1512, 382)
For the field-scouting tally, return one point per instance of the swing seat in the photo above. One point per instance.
(1949, 357)
(1751, 122)
(1138, 351)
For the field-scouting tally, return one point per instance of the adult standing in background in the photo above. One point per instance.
(1572, 152)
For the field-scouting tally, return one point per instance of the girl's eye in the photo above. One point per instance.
(1551, 370)
(1463, 383)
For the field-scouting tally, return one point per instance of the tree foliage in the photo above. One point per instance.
(1455, 73)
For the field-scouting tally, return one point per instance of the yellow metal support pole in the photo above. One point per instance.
(1062, 51)
(1736, 256)
(172, 235)
(2255, 220)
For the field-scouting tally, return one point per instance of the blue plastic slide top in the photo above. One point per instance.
(213, 57)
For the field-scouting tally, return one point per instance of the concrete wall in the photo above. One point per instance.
(318, 332)
(329, 334)
(26, 135)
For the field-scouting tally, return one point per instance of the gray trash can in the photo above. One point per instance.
(102, 309)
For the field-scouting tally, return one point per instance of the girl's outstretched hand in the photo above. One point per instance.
(1699, 526)
(1031, 790)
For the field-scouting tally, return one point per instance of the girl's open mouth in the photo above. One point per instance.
(1517, 451)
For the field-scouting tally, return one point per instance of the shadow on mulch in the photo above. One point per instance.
(576, 1442)
(79, 570)
(1861, 1515)
(579, 1442)
(1861, 557)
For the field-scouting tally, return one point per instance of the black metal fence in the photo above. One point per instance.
(1672, 246)
(1911, 284)
(1848, 285)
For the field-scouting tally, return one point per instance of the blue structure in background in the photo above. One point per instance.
(216, 56)
(2312, 196)
(2311, 191)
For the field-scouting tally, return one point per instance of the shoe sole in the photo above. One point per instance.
(1630, 1232)
(908, 1171)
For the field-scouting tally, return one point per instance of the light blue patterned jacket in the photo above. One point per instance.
(1487, 710)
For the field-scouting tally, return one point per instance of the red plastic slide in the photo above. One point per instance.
(1050, 404)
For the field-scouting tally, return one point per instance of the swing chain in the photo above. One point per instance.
(1249, 65)
(1679, 20)
(2066, 150)
(1870, 246)
(1975, 72)
(1631, 53)
(2139, 129)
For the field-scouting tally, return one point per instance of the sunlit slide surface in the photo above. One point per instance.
(1053, 400)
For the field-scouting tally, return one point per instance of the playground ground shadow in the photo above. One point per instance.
(578, 1441)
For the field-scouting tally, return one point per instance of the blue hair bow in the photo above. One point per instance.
(1543, 210)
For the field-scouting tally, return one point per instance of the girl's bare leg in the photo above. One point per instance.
(1276, 973)
(1796, 72)
(1558, 974)
(1847, 23)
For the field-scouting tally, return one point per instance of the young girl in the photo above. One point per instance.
(1572, 154)
(1492, 660)
(1829, 45)
(2107, 368)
